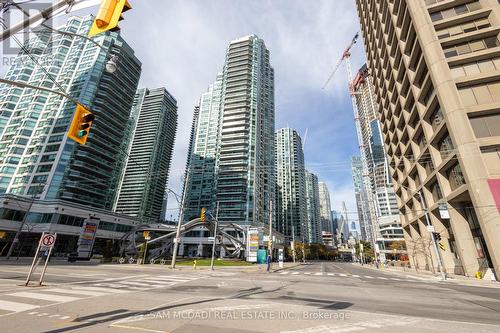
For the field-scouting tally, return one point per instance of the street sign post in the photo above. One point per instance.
(46, 242)
(443, 211)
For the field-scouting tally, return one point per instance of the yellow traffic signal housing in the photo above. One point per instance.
(81, 124)
(203, 214)
(108, 16)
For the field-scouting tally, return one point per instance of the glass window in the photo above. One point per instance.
(436, 16)
(467, 97)
(477, 45)
(482, 94)
(455, 30)
(449, 13)
(491, 42)
(495, 91)
(479, 127)
(463, 49)
(460, 9)
(486, 66)
(473, 6)
(471, 69)
(457, 71)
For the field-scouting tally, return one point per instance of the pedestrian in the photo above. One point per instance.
(268, 261)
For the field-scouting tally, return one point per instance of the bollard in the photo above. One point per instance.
(194, 264)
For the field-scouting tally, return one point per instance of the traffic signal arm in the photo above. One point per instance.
(81, 124)
(108, 16)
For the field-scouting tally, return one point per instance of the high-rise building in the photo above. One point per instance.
(325, 210)
(245, 182)
(290, 184)
(142, 188)
(377, 194)
(360, 192)
(435, 66)
(201, 174)
(312, 206)
(36, 157)
(233, 158)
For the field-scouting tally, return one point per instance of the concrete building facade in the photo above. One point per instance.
(436, 75)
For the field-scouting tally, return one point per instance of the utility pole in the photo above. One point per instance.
(434, 245)
(270, 243)
(215, 236)
(179, 223)
(21, 226)
(43, 15)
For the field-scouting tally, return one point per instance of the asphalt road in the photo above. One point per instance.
(316, 297)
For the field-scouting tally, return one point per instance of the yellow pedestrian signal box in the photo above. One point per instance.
(81, 124)
(108, 16)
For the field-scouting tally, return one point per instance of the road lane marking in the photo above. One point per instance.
(284, 273)
(295, 273)
(342, 274)
(45, 297)
(368, 276)
(320, 273)
(16, 307)
(331, 274)
(356, 276)
(381, 278)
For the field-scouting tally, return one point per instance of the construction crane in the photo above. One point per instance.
(345, 56)
(371, 216)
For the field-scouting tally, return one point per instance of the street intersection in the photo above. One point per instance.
(313, 297)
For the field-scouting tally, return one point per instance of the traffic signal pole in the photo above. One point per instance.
(439, 259)
(215, 236)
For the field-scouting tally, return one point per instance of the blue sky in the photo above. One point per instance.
(182, 44)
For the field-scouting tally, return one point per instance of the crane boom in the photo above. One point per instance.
(345, 55)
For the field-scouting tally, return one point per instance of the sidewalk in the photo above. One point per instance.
(429, 276)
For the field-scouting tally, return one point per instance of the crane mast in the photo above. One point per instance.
(369, 216)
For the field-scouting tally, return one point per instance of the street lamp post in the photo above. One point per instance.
(439, 259)
(179, 224)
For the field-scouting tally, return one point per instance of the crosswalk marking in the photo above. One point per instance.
(77, 292)
(74, 292)
(16, 307)
(99, 289)
(345, 275)
(45, 297)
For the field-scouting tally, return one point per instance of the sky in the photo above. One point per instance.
(182, 45)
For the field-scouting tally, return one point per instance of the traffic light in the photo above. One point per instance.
(108, 16)
(437, 236)
(203, 214)
(81, 124)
